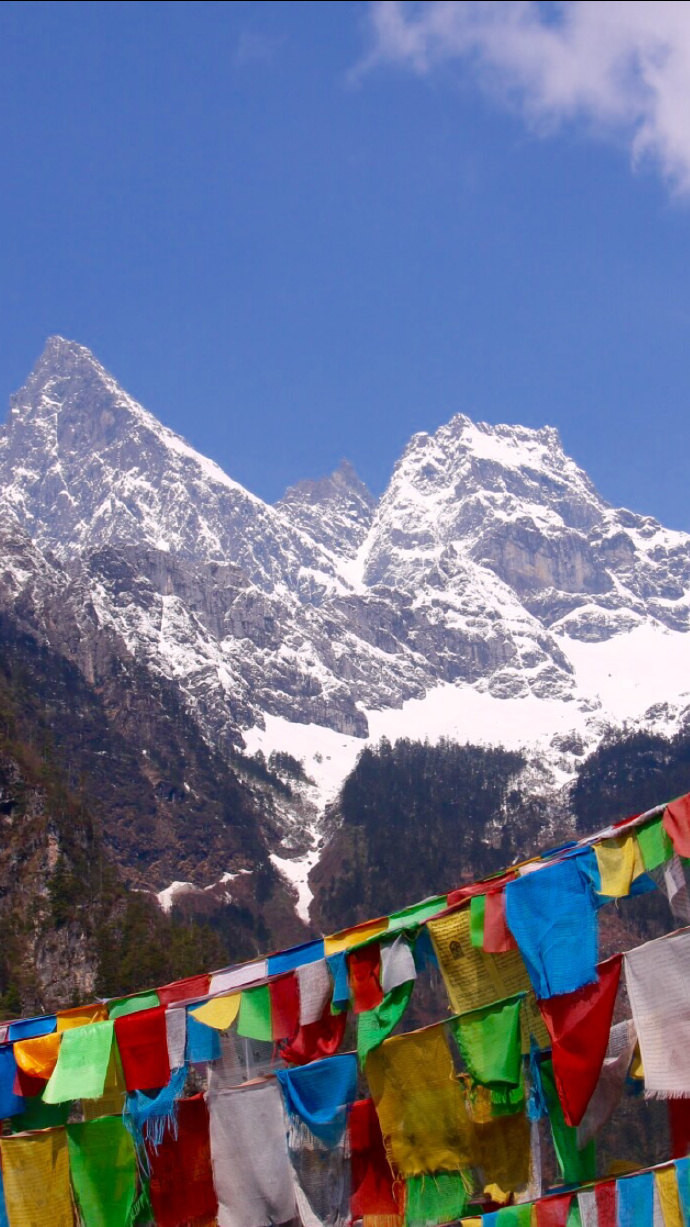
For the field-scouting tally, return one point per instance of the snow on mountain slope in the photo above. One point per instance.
(491, 594)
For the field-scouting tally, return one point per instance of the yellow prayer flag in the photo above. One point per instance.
(347, 938)
(667, 1188)
(474, 978)
(220, 1012)
(38, 1056)
(620, 862)
(636, 1067)
(35, 1172)
(420, 1104)
(112, 1101)
(82, 1016)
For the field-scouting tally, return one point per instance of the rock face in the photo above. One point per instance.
(489, 558)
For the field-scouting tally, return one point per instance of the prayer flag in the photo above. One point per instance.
(284, 993)
(185, 990)
(133, 1004)
(374, 1026)
(254, 1019)
(103, 1170)
(35, 1172)
(181, 1187)
(316, 1040)
(579, 1025)
(220, 1012)
(82, 1016)
(38, 1057)
(82, 1063)
(489, 1040)
(419, 1103)
(143, 1045)
(364, 965)
(658, 981)
(551, 914)
(372, 1179)
(320, 1095)
(676, 822)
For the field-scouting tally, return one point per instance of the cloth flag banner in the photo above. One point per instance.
(314, 991)
(376, 1025)
(35, 1173)
(658, 981)
(181, 1186)
(420, 1105)
(103, 1170)
(220, 1012)
(82, 1064)
(251, 1166)
(676, 822)
(579, 1025)
(551, 914)
(372, 1179)
(489, 1040)
(619, 862)
(142, 1040)
(320, 1095)
(609, 1089)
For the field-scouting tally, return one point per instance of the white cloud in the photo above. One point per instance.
(622, 66)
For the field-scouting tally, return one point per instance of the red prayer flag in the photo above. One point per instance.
(676, 822)
(27, 1085)
(605, 1196)
(553, 1211)
(679, 1124)
(184, 990)
(181, 1174)
(143, 1044)
(372, 1179)
(463, 893)
(284, 1006)
(365, 984)
(315, 1040)
(497, 936)
(579, 1025)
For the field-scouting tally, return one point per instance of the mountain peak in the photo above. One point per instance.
(61, 359)
(335, 511)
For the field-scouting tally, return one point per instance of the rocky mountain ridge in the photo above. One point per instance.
(490, 579)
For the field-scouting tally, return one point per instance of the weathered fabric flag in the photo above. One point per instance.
(103, 1170)
(658, 980)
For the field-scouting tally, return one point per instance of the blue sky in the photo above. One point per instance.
(298, 232)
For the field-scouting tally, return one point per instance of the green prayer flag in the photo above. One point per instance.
(254, 1018)
(489, 1040)
(132, 1005)
(477, 911)
(574, 1216)
(82, 1063)
(577, 1166)
(409, 917)
(654, 844)
(514, 1216)
(103, 1169)
(374, 1026)
(39, 1115)
(435, 1197)
(507, 1100)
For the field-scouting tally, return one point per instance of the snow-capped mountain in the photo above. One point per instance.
(491, 594)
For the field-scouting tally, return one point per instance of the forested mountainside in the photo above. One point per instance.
(87, 818)
(415, 819)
